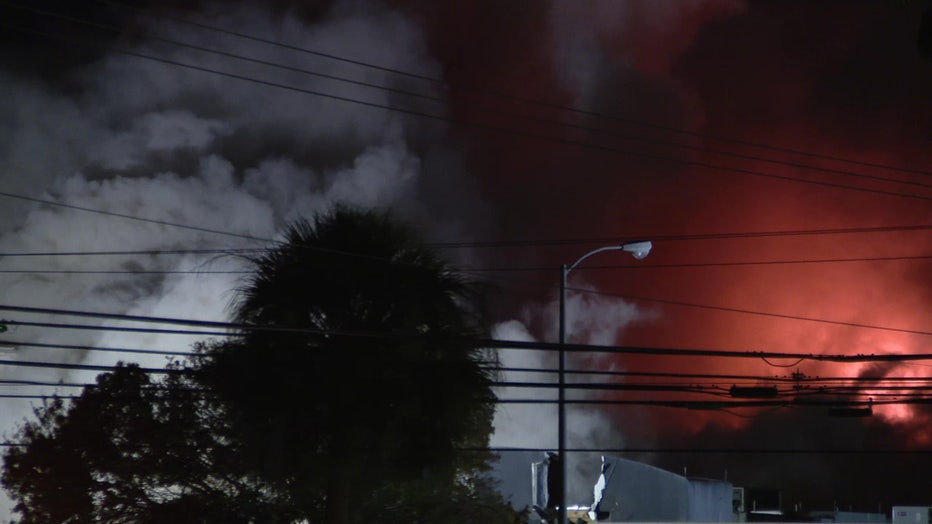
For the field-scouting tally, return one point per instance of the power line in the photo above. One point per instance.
(442, 100)
(715, 389)
(752, 312)
(498, 269)
(184, 226)
(121, 329)
(687, 404)
(537, 346)
(901, 391)
(122, 272)
(24, 396)
(16, 343)
(166, 320)
(153, 252)
(729, 450)
(665, 450)
(717, 405)
(540, 103)
(680, 403)
(723, 405)
(624, 386)
(478, 342)
(680, 237)
(82, 367)
(131, 217)
(829, 386)
(776, 262)
(627, 374)
(515, 269)
(690, 450)
(513, 243)
(12, 382)
(786, 379)
(520, 133)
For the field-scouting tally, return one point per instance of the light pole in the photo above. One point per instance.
(638, 250)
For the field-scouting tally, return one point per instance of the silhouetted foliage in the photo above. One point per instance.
(367, 402)
(378, 385)
(135, 451)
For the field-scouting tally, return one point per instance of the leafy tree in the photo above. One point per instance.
(131, 450)
(353, 393)
(376, 389)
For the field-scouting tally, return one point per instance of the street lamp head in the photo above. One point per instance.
(638, 249)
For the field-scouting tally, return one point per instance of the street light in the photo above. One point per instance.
(638, 250)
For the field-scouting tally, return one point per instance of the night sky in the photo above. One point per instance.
(518, 135)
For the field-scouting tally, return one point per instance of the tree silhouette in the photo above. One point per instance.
(133, 450)
(377, 389)
(354, 393)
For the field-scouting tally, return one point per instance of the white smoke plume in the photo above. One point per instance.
(162, 142)
(590, 319)
(136, 137)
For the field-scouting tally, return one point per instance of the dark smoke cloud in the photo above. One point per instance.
(85, 126)
(840, 79)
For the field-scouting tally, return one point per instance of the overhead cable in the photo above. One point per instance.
(520, 243)
(751, 312)
(438, 82)
(478, 342)
(438, 99)
(515, 132)
(19, 343)
(476, 269)
(131, 217)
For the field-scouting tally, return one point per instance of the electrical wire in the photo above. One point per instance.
(687, 404)
(898, 394)
(474, 269)
(152, 252)
(535, 242)
(519, 269)
(803, 383)
(772, 364)
(680, 237)
(131, 217)
(624, 386)
(729, 450)
(17, 343)
(899, 391)
(515, 132)
(148, 252)
(83, 367)
(693, 376)
(120, 329)
(715, 405)
(538, 370)
(689, 450)
(121, 272)
(441, 100)
(475, 342)
(437, 82)
(14, 382)
(751, 312)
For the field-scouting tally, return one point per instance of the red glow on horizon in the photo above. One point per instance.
(684, 69)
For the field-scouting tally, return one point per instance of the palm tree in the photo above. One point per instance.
(369, 381)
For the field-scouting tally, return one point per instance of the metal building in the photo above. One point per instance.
(629, 491)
